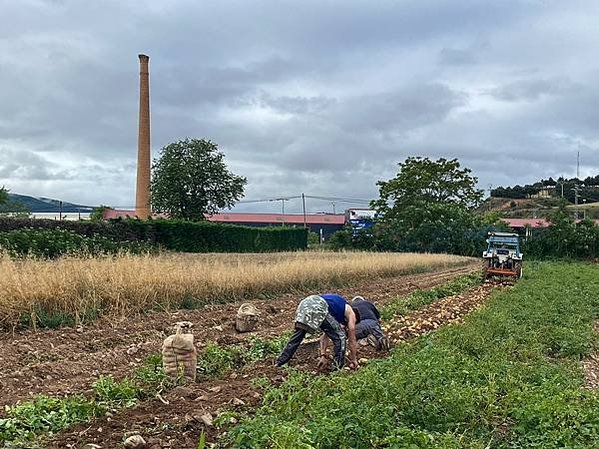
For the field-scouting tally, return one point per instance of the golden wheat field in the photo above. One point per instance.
(127, 284)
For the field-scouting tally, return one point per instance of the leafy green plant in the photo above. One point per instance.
(261, 348)
(216, 360)
(23, 422)
(124, 392)
(202, 442)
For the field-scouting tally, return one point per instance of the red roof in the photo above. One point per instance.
(527, 222)
(109, 214)
(238, 217)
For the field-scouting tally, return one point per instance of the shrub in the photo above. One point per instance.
(50, 243)
(135, 235)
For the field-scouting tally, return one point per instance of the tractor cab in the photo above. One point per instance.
(502, 257)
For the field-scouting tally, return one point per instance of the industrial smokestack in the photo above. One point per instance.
(142, 195)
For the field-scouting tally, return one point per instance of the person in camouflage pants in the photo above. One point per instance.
(312, 316)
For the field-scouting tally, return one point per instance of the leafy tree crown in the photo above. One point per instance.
(190, 179)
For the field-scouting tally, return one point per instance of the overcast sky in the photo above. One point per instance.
(315, 96)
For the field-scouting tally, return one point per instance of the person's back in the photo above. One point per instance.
(336, 305)
(366, 309)
(369, 326)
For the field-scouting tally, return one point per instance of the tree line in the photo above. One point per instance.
(433, 206)
(562, 187)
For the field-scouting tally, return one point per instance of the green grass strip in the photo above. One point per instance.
(508, 378)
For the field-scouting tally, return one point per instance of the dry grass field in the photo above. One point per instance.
(81, 288)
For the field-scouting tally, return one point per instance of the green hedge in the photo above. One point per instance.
(198, 237)
(52, 243)
(118, 230)
(175, 235)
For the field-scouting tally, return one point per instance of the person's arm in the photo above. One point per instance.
(324, 344)
(350, 317)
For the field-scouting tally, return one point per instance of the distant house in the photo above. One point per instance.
(517, 224)
(545, 192)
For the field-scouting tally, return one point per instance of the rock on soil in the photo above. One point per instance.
(135, 442)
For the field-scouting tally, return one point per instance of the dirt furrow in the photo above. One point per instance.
(179, 423)
(69, 360)
(442, 312)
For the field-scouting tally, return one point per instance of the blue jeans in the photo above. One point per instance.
(364, 328)
(331, 328)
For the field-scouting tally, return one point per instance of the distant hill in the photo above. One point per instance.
(46, 204)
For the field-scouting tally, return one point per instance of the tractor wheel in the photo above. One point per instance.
(518, 271)
(486, 266)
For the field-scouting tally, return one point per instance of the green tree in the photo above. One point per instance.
(429, 206)
(190, 179)
(3, 195)
(10, 208)
(423, 181)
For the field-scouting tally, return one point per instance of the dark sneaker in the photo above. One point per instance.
(371, 339)
(383, 344)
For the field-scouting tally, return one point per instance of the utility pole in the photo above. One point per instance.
(60, 210)
(282, 200)
(304, 209)
(333, 204)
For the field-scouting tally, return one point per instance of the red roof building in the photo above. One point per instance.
(328, 223)
(520, 223)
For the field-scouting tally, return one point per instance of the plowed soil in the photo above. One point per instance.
(69, 360)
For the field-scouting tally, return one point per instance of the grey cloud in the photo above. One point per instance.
(321, 97)
(28, 165)
(297, 105)
(532, 89)
(402, 110)
(457, 57)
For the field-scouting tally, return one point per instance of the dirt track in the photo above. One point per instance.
(69, 360)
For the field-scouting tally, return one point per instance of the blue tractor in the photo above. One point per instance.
(503, 257)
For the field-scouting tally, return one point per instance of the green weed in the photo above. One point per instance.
(44, 415)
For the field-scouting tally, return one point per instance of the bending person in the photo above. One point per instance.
(348, 317)
(313, 315)
(369, 326)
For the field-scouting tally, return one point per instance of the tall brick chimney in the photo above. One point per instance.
(142, 194)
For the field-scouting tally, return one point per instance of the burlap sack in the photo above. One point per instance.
(247, 318)
(179, 356)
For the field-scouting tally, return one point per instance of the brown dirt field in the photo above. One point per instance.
(69, 360)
